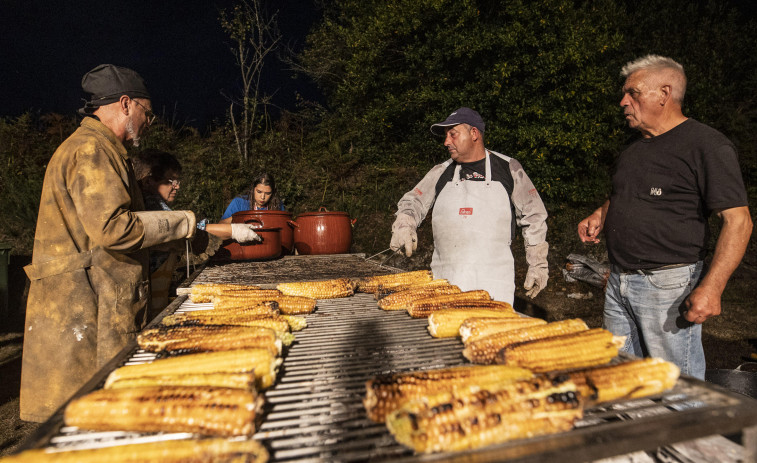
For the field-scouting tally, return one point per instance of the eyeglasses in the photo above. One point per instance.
(174, 182)
(148, 112)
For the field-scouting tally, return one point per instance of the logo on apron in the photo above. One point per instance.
(466, 211)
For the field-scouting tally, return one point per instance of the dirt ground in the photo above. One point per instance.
(729, 340)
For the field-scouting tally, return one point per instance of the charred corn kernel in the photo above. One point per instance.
(446, 323)
(387, 392)
(206, 292)
(261, 308)
(402, 299)
(476, 328)
(259, 361)
(577, 350)
(423, 311)
(327, 289)
(207, 338)
(294, 305)
(242, 380)
(627, 380)
(214, 450)
(473, 417)
(383, 291)
(484, 350)
(392, 280)
(213, 411)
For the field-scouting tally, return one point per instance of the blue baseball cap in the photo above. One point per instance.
(460, 116)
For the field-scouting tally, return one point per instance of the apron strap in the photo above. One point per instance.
(60, 265)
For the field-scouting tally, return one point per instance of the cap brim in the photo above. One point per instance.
(439, 129)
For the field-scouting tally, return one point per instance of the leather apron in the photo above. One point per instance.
(472, 227)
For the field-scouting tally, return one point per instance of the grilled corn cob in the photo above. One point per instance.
(426, 309)
(392, 280)
(401, 299)
(328, 289)
(206, 292)
(627, 380)
(577, 350)
(259, 361)
(446, 323)
(476, 328)
(437, 302)
(207, 338)
(294, 305)
(242, 380)
(230, 300)
(277, 323)
(213, 411)
(383, 291)
(212, 450)
(295, 323)
(387, 392)
(471, 417)
(484, 351)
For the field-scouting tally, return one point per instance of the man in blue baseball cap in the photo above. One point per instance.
(478, 196)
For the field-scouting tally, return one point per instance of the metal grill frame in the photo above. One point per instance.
(314, 411)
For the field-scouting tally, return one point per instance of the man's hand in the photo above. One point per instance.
(404, 237)
(702, 303)
(536, 280)
(244, 233)
(590, 227)
(538, 268)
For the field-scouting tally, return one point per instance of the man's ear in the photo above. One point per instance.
(123, 104)
(665, 94)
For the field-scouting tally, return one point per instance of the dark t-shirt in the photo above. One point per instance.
(663, 190)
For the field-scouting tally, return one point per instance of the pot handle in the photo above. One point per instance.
(256, 221)
(293, 224)
(322, 209)
(352, 222)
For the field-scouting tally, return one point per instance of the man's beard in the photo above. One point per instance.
(133, 133)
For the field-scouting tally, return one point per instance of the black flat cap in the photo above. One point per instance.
(106, 83)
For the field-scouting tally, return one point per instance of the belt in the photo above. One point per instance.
(647, 271)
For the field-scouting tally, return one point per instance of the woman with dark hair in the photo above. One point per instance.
(159, 177)
(262, 196)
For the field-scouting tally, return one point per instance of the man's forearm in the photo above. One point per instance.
(730, 247)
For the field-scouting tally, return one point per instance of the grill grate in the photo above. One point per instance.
(314, 412)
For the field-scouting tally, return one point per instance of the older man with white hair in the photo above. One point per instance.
(664, 188)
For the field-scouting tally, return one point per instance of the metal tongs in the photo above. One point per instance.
(382, 252)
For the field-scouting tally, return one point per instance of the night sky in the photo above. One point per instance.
(177, 46)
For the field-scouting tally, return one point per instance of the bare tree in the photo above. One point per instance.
(255, 35)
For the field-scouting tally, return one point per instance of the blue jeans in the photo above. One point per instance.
(647, 307)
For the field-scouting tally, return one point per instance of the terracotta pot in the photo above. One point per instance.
(267, 249)
(323, 232)
(271, 219)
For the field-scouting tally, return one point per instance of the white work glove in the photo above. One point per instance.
(164, 226)
(538, 269)
(403, 235)
(244, 233)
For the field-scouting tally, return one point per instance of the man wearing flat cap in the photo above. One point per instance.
(89, 283)
(478, 196)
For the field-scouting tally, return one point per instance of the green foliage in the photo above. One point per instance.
(539, 72)
(26, 144)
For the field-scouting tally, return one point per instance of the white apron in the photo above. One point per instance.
(472, 224)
